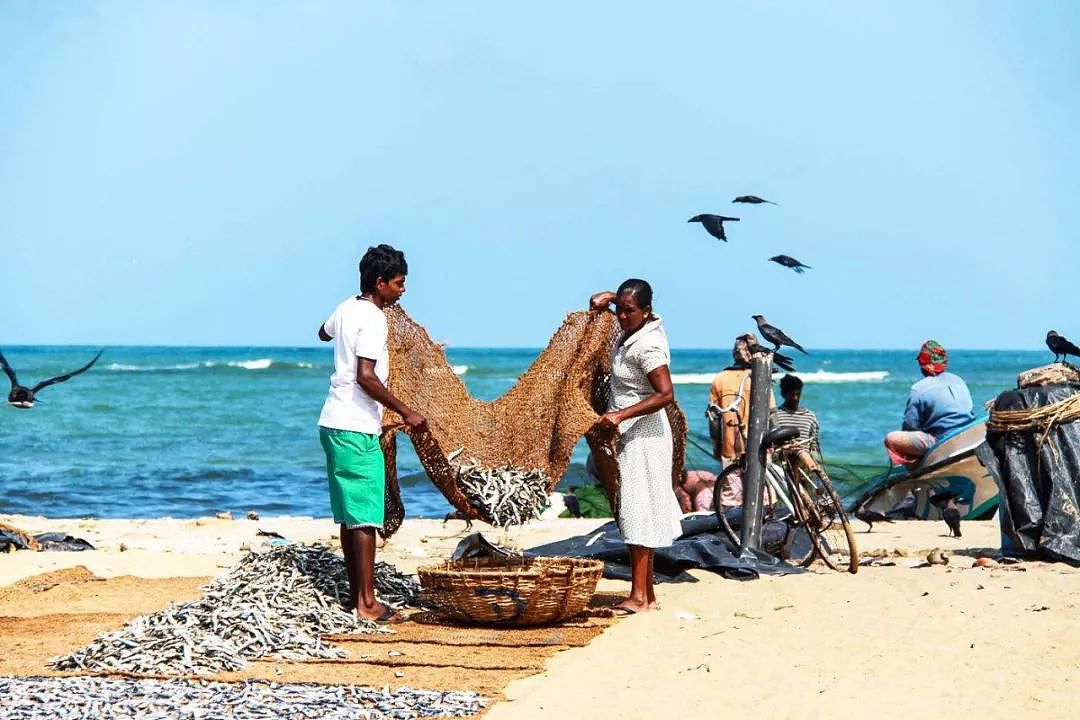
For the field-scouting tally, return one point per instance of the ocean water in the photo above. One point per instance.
(189, 431)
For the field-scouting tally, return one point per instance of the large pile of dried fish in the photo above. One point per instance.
(504, 495)
(277, 602)
(38, 698)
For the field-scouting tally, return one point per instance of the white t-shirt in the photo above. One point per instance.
(359, 330)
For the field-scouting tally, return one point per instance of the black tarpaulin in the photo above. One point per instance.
(701, 545)
(1038, 478)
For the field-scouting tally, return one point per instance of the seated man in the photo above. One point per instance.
(938, 403)
(789, 414)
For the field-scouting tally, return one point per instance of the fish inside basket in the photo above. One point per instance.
(511, 591)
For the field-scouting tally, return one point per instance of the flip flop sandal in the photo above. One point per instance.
(390, 617)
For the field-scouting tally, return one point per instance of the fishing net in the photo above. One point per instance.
(534, 425)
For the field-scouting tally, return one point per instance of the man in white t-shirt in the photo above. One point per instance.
(351, 421)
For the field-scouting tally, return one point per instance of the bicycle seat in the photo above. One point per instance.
(779, 436)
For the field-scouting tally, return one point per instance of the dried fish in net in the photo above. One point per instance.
(503, 496)
(535, 424)
(278, 602)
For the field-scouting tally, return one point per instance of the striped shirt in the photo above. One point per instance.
(803, 419)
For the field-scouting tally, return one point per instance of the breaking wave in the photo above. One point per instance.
(256, 364)
(818, 376)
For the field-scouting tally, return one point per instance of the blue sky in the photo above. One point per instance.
(210, 173)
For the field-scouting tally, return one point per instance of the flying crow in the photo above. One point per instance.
(788, 261)
(775, 335)
(714, 224)
(1060, 346)
(752, 199)
(23, 397)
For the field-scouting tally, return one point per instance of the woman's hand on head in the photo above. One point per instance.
(601, 300)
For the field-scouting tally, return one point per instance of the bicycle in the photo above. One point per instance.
(796, 482)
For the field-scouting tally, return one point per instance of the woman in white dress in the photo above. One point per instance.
(648, 511)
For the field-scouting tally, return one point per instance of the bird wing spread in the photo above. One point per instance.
(66, 376)
(8, 371)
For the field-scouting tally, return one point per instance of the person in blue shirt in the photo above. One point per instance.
(938, 403)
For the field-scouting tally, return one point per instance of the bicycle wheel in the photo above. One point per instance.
(829, 526)
(721, 515)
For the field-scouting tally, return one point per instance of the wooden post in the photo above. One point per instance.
(758, 425)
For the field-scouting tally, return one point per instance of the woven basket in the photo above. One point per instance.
(511, 591)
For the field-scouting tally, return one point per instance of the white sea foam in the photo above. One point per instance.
(818, 376)
(260, 364)
(459, 369)
(257, 364)
(121, 367)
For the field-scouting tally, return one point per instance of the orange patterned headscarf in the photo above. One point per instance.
(932, 358)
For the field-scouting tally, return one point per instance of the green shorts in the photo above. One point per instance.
(357, 475)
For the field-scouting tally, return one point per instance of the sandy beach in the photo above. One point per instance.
(895, 639)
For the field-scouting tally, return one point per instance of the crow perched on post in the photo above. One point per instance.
(788, 261)
(775, 335)
(781, 361)
(1060, 346)
(23, 397)
(714, 224)
(752, 199)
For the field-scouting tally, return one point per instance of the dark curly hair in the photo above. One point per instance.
(381, 261)
(789, 383)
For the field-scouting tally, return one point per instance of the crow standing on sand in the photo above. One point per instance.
(1060, 346)
(775, 335)
(950, 512)
(22, 396)
(752, 199)
(714, 224)
(788, 261)
(870, 517)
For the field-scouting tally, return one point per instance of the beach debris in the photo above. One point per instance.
(877, 562)
(13, 538)
(277, 602)
(38, 698)
(984, 562)
(503, 496)
(61, 542)
(937, 557)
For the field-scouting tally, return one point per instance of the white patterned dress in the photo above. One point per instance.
(648, 512)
